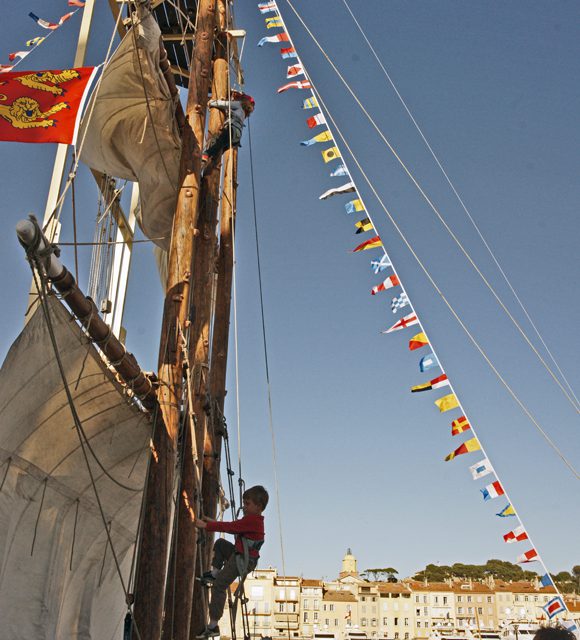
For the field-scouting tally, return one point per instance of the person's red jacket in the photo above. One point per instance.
(251, 527)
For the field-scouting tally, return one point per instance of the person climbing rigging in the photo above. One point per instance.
(237, 110)
(231, 561)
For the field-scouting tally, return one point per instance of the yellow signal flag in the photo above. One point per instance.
(363, 225)
(274, 22)
(466, 447)
(330, 154)
(446, 403)
(325, 136)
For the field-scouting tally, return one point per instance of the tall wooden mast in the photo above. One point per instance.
(184, 552)
(153, 544)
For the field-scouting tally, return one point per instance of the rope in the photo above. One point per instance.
(447, 303)
(436, 211)
(267, 368)
(5, 473)
(45, 481)
(461, 202)
(72, 548)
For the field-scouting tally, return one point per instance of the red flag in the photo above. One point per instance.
(43, 106)
(299, 84)
(516, 535)
(75, 3)
(418, 341)
(459, 426)
(387, 283)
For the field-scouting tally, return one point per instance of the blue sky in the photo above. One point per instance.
(360, 459)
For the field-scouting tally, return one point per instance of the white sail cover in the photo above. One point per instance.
(41, 597)
(130, 131)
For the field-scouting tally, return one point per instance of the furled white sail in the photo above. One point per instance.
(47, 588)
(130, 132)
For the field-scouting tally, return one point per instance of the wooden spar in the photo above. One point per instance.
(219, 353)
(153, 544)
(86, 311)
(182, 562)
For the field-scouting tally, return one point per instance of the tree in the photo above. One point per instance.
(381, 574)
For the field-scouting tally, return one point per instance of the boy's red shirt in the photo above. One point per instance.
(251, 527)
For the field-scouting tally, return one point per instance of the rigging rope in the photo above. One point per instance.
(268, 385)
(462, 203)
(572, 401)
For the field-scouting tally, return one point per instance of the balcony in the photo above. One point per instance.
(286, 620)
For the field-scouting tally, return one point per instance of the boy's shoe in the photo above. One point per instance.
(206, 579)
(209, 632)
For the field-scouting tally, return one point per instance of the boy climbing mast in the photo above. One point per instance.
(237, 110)
(231, 561)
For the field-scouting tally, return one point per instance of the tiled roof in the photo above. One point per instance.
(311, 583)
(339, 596)
(393, 587)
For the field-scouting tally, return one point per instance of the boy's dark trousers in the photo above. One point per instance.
(220, 142)
(224, 559)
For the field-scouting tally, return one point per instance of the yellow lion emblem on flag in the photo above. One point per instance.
(48, 81)
(25, 113)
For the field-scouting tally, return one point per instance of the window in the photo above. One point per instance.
(396, 635)
(294, 606)
(331, 607)
(316, 604)
(526, 599)
(306, 616)
(418, 624)
(480, 610)
(281, 594)
(324, 607)
(374, 599)
(426, 623)
(396, 622)
(444, 599)
(406, 636)
(425, 611)
(257, 592)
(305, 604)
(459, 598)
(326, 621)
(417, 612)
(470, 610)
(436, 599)
(363, 598)
(336, 622)
(489, 598)
(385, 621)
(348, 607)
(363, 622)
(425, 599)
(459, 609)
(468, 598)
(545, 598)
(416, 598)
(316, 616)
(292, 594)
(281, 607)
(374, 622)
(535, 598)
(517, 598)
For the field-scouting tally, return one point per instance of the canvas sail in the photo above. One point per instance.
(130, 131)
(44, 593)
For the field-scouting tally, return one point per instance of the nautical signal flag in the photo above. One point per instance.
(341, 170)
(554, 607)
(298, 84)
(372, 243)
(380, 265)
(428, 362)
(516, 535)
(34, 41)
(279, 37)
(274, 22)
(570, 625)
(266, 7)
(480, 469)
(387, 283)
(418, 341)
(354, 206)
(507, 511)
(44, 106)
(6, 68)
(493, 490)
(289, 52)
(467, 447)
(546, 580)
(363, 225)
(436, 383)
(314, 121)
(459, 426)
(295, 70)
(309, 103)
(404, 322)
(18, 54)
(331, 154)
(325, 136)
(45, 24)
(75, 3)
(528, 556)
(446, 403)
(399, 302)
(345, 188)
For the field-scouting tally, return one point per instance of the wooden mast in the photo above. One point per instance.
(182, 563)
(153, 544)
